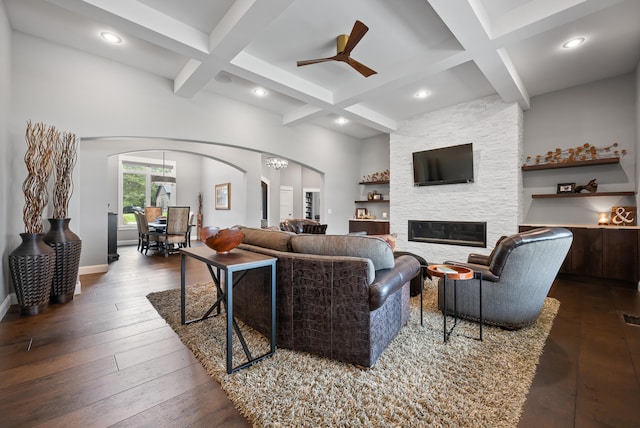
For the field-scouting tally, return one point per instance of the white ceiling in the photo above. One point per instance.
(458, 50)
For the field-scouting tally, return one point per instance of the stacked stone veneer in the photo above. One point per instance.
(496, 131)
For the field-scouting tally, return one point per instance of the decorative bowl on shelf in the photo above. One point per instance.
(221, 240)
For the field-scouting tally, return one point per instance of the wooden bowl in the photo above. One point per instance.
(221, 240)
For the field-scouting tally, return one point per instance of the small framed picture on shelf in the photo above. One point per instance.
(361, 212)
(566, 188)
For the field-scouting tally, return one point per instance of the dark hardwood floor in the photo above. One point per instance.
(107, 358)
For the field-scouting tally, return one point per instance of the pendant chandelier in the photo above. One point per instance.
(161, 180)
(277, 163)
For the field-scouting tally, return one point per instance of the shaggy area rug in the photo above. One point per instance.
(418, 381)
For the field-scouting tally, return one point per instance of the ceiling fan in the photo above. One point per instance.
(345, 45)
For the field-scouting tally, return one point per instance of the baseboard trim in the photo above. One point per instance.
(127, 243)
(87, 270)
(6, 304)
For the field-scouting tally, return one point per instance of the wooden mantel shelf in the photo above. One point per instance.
(581, 195)
(571, 164)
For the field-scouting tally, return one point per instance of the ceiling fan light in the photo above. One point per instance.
(573, 43)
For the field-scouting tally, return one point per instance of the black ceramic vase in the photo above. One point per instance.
(31, 266)
(67, 246)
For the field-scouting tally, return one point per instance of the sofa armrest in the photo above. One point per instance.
(388, 281)
(487, 275)
(478, 259)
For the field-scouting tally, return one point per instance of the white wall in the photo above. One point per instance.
(8, 245)
(214, 172)
(599, 113)
(94, 97)
(495, 129)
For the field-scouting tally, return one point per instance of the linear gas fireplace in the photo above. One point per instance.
(467, 233)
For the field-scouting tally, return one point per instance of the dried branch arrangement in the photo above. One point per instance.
(65, 159)
(41, 141)
(580, 153)
(376, 177)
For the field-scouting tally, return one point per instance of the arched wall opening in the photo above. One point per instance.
(201, 165)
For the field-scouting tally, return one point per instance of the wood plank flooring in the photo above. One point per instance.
(107, 359)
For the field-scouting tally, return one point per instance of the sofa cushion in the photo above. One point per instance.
(275, 240)
(376, 250)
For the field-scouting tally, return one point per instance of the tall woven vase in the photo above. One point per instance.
(31, 266)
(67, 246)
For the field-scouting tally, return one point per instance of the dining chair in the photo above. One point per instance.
(152, 213)
(191, 216)
(176, 230)
(139, 226)
(149, 238)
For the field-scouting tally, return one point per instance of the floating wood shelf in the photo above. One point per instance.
(375, 182)
(372, 201)
(581, 195)
(571, 164)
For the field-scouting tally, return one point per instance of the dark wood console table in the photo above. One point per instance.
(227, 264)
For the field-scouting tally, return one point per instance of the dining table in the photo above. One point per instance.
(158, 227)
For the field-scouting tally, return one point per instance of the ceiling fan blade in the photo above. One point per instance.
(361, 68)
(315, 61)
(357, 33)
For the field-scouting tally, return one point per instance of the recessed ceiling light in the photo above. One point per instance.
(573, 43)
(423, 93)
(341, 121)
(259, 92)
(111, 37)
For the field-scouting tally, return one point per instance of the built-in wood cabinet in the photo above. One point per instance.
(371, 227)
(607, 253)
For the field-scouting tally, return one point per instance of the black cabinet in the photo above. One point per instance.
(112, 237)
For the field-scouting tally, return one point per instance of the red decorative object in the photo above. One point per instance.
(221, 240)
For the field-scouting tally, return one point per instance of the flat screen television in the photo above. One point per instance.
(446, 165)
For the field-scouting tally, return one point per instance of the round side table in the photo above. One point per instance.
(455, 273)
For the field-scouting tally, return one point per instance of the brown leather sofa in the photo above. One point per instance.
(332, 300)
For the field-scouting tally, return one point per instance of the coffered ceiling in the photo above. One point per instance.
(457, 50)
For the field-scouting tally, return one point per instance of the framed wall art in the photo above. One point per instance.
(361, 212)
(566, 188)
(223, 196)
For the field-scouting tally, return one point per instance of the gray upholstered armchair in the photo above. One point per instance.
(516, 278)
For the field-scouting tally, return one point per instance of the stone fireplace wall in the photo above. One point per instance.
(496, 130)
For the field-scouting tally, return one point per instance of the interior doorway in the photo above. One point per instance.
(286, 202)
